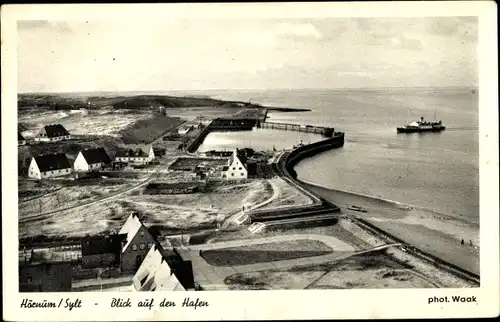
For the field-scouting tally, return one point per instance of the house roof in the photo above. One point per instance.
(97, 155)
(20, 137)
(155, 273)
(131, 226)
(240, 154)
(139, 150)
(111, 244)
(50, 162)
(53, 130)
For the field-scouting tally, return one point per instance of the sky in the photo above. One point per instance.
(197, 54)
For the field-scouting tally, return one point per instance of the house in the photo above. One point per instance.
(20, 139)
(236, 167)
(54, 132)
(49, 165)
(91, 159)
(139, 154)
(102, 251)
(137, 244)
(45, 277)
(163, 270)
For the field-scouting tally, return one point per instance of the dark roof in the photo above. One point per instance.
(50, 162)
(54, 130)
(134, 151)
(225, 168)
(111, 244)
(97, 155)
(19, 137)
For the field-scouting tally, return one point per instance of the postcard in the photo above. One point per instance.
(250, 161)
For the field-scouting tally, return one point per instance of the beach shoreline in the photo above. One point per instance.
(437, 235)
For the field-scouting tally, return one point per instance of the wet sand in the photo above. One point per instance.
(434, 233)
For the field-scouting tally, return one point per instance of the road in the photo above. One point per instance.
(93, 202)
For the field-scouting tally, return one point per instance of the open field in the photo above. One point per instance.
(360, 271)
(197, 210)
(72, 194)
(263, 253)
(288, 196)
(82, 122)
(149, 129)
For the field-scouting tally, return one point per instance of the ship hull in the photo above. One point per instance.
(420, 130)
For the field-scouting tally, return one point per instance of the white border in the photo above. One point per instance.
(321, 304)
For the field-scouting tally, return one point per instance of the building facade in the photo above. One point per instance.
(91, 160)
(136, 154)
(51, 133)
(138, 242)
(48, 166)
(236, 167)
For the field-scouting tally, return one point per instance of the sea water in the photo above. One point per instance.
(438, 171)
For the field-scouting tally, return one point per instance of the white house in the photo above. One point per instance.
(54, 132)
(155, 273)
(49, 165)
(236, 166)
(91, 159)
(137, 243)
(139, 154)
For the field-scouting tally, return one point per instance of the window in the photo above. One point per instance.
(232, 174)
(242, 174)
(142, 233)
(239, 168)
(134, 247)
(234, 168)
(142, 246)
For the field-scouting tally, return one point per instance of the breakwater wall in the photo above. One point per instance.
(305, 151)
(435, 261)
(325, 131)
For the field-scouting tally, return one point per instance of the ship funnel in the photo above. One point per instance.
(422, 118)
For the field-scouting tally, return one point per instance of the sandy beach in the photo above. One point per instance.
(434, 233)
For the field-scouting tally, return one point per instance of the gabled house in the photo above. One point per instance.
(91, 159)
(163, 270)
(102, 251)
(236, 167)
(54, 132)
(49, 165)
(138, 154)
(136, 244)
(20, 139)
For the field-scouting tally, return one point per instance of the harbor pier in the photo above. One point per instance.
(325, 131)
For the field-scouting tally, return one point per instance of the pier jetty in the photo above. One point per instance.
(325, 131)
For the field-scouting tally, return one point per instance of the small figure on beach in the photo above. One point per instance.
(462, 241)
(470, 240)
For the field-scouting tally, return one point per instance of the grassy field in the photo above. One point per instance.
(149, 129)
(263, 253)
(166, 212)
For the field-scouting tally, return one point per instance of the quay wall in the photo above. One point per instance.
(309, 150)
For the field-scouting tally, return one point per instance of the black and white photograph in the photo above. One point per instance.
(247, 153)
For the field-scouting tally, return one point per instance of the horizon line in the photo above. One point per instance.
(243, 89)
